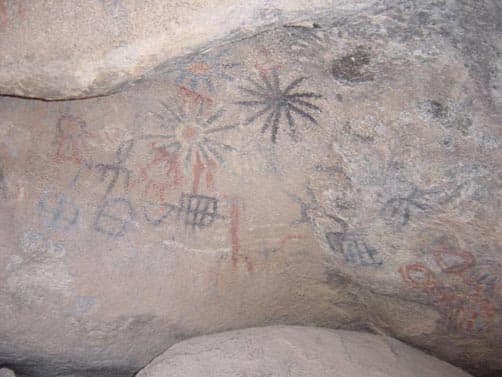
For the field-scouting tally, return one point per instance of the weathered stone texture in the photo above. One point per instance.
(83, 48)
(5, 372)
(296, 351)
(344, 175)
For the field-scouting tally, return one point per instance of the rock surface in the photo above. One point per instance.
(296, 351)
(5, 372)
(344, 175)
(84, 48)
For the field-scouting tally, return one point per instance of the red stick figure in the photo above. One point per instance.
(268, 64)
(209, 165)
(70, 138)
(161, 173)
(191, 97)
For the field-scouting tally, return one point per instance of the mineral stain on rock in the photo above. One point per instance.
(351, 67)
(435, 109)
(449, 115)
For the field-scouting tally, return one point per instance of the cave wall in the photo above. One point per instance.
(337, 167)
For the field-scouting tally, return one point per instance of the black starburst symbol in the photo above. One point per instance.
(276, 101)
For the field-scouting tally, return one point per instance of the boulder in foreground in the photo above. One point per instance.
(296, 351)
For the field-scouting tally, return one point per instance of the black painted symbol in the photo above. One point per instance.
(156, 214)
(116, 169)
(61, 211)
(114, 216)
(311, 209)
(304, 37)
(275, 102)
(198, 211)
(354, 249)
(399, 210)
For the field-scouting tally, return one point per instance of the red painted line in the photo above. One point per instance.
(3, 13)
(289, 237)
(198, 167)
(211, 169)
(234, 229)
(418, 275)
(234, 236)
(188, 93)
